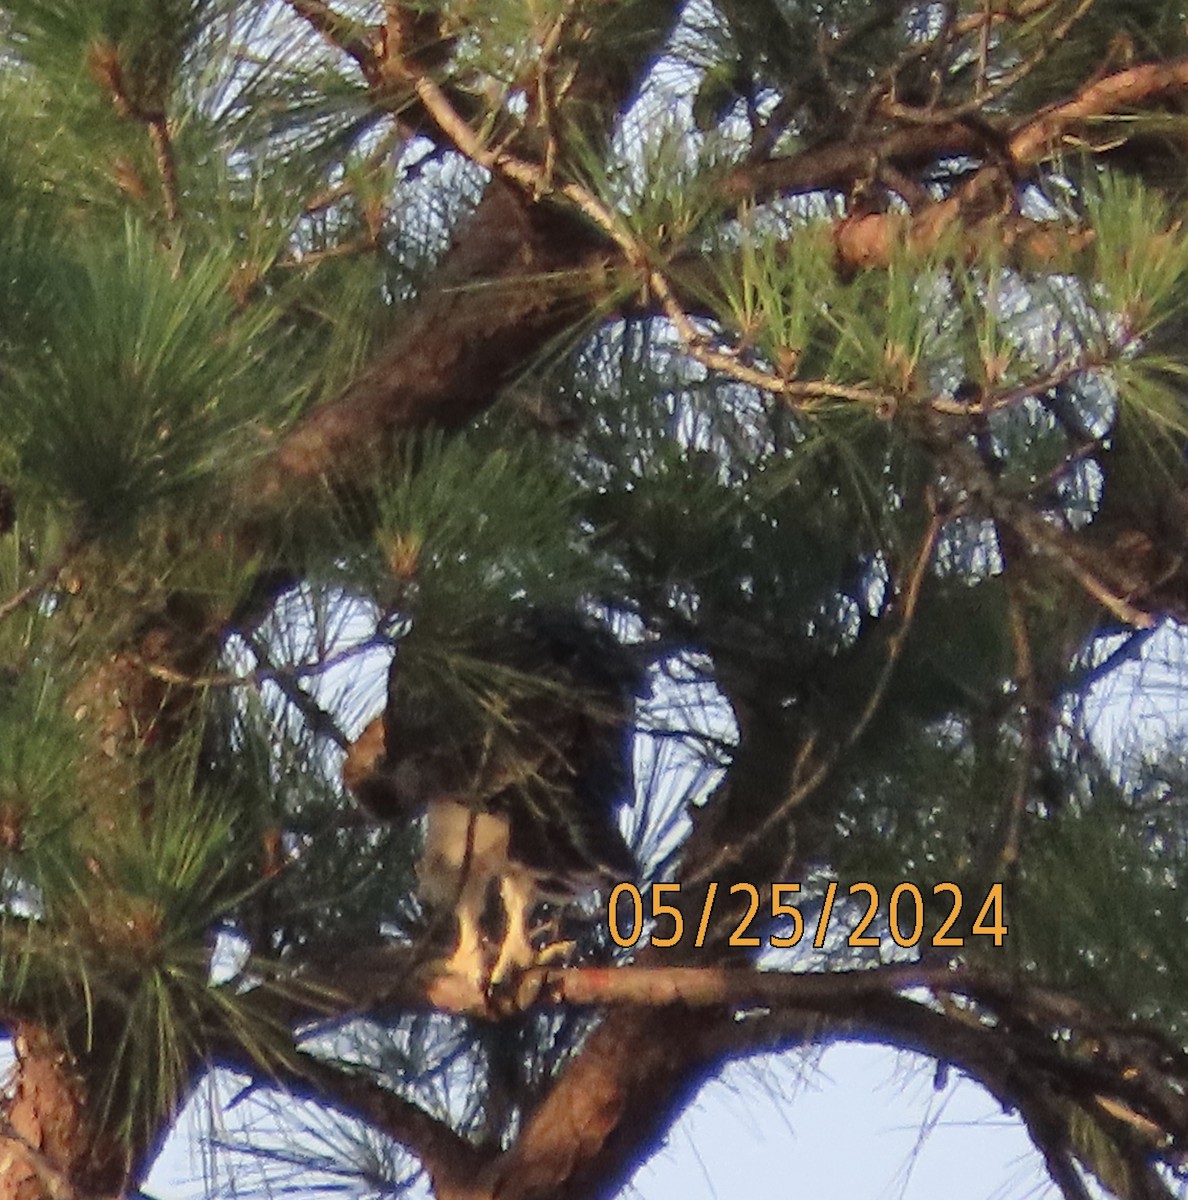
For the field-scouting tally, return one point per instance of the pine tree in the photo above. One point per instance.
(830, 356)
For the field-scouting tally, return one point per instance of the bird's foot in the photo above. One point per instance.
(516, 956)
(554, 953)
(468, 966)
(518, 978)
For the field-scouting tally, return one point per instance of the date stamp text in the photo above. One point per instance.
(905, 911)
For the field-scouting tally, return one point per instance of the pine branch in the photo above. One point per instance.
(523, 270)
(1120, 592)
(341, 32)
(393, 393)
(807, 779)
(634, 1065)
(837, 166)
(608, 1109)
(989, 95)
(1020, 1065)
(45, 579)
(446, 1157)
(386, 979)
(868, 241)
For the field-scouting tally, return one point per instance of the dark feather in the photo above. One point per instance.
(544, 735)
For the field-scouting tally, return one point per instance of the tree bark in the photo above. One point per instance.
(52, 1145)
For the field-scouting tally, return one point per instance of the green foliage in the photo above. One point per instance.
(661, 186)
(1118, 869)
(1141, 254)
(1114, 34)
(467, 529)
(145, 388)
(140, 44)
(339, 879)
(778, 289)
(37, 760)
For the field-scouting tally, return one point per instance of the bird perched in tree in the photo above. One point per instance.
(518, 756)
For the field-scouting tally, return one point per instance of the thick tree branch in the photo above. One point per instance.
(868, 241)
(605, 1113)
(389, 979)
(836, 166)
(518, 275)
(521, 273)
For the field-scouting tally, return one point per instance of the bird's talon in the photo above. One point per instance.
(555, 953)
(516, 990)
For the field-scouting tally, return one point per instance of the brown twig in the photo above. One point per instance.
(103, 59)
(1049, 542)
(365, 244)
(1123, 89)
(697, 343)
(988, 94)
(317, 719)
(1041, 536)
(219, 679)
(158, 129)
(870, 240)
(42, 581)
(533, 178)
(1008, 854)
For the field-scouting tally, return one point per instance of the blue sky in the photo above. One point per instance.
(862, 1124)
(856, 1123)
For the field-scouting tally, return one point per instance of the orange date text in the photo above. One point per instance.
(903, 908)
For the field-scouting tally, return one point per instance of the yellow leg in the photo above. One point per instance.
(516, 954)
(468, 959)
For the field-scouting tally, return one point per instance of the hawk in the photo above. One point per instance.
(518, 756)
